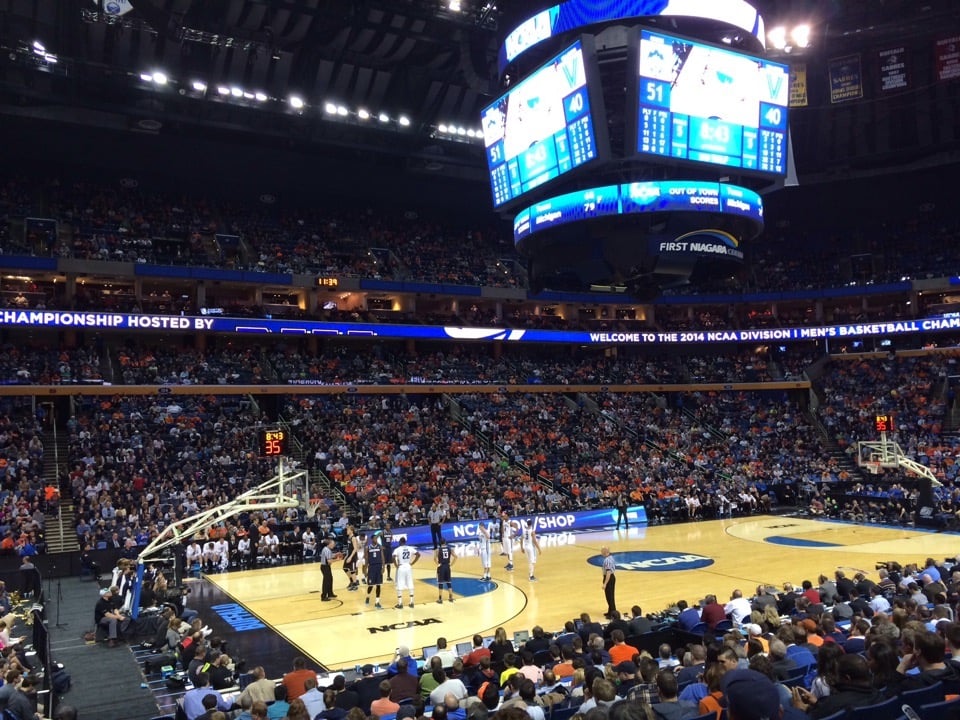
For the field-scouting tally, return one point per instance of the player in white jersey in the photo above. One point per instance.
(362, 558)
(210, 557)
(309, 543)
(529, 544)
(194, 555)
(271, 546)
(404, 557)
(244, 551)
(222, 549)
(506, 538)
(484, 548)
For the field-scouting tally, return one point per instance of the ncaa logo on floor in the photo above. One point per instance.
(655, 561)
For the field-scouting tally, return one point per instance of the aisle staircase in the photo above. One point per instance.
(59, 526)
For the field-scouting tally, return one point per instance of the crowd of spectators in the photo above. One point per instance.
(21, 365)
(131, 223)
(24, 497)
(684, 455)
(138, 464)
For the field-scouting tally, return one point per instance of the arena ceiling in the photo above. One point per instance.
(377, 78)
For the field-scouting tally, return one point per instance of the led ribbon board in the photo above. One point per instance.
(640, 197)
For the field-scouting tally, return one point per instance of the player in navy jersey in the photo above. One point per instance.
(386, 541)
(374, 556)
(444, 558)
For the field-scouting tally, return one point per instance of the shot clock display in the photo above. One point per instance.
(883, 423)
(710, 105)
(544, 126)
(273, 442)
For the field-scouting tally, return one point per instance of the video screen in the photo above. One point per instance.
(541, 128)
(711, 105)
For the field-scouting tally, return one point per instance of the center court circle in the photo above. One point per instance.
(654, 561)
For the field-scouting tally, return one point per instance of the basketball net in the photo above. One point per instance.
(313, 504)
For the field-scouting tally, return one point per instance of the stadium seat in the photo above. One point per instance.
(563, 713)
(708, 716)
(889, 710)
(923, 696)
(946, 710)
(839, 715)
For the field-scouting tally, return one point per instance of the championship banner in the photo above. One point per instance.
(947, 58)
(846, 79)
(798, 85)
(893, 69)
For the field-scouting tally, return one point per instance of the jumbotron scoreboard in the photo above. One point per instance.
(632, 158)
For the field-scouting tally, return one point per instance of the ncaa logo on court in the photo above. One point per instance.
(655, 561)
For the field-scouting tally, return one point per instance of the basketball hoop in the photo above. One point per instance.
(313, 504)
(872, 467)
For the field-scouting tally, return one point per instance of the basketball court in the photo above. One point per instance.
(656, 567)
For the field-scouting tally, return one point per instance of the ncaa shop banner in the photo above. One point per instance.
(547, 523)
(893, 69)
(798, 85)
(947, 58)
(846, 79)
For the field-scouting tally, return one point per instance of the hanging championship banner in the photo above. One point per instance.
(846, 79)
(947, 58)
(798, 85)
(893, 69)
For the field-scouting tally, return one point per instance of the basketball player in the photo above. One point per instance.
(444, 559)
(243, 550)
(529, 544)
(506, 539)
(404, 557)
(362, 558)
(309, 543)
(484, 548)
(374, 556)
(386, 540)
(210, 556)
(350, 560)
(194, 555)
(222, 549)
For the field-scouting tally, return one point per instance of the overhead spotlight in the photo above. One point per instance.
(146, 77)
(51, 58)
(404, 121)
(199, 86)
(223, 90)
(330, 108)
(778, 37)
(236, 92)
(296, 102)
(471, 132)
(454, 6)
(383, 117)
(363, 114)
(441, 128)
(261, 97)
(801, 36)
(159, 78)
(38, 47)
(342, 111)
(461, 131)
